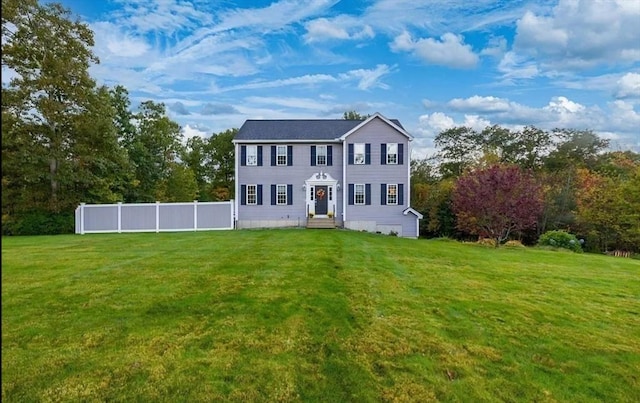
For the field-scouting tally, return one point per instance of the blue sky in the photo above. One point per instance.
(431, 64)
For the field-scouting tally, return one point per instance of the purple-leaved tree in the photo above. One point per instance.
(496, 201)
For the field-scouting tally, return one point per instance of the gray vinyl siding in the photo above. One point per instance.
(376, 133)
(295, 175)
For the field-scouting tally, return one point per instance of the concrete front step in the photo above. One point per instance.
(327, 223)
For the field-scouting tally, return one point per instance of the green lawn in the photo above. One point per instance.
(304, 315)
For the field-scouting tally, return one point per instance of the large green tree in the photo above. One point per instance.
(153, 148)
(50, 90)
(59, 144)
(222, 164)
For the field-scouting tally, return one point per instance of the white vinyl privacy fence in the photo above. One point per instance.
(154, 217)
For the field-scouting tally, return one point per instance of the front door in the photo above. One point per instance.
(322, 195)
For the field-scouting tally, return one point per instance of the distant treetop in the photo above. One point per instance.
(353, 115)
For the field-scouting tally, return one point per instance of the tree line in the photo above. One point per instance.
(67, 140)
(518, 184)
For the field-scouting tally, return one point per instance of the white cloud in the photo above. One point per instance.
(308, 79)
(450, 50)
(277, 15)
(620, 121)
(480, 104)
(342, 27)
(513, 66)
(582, 33)
(289, 102)
(628, 86)
(369, 78)
(189, 131)
(366, 78)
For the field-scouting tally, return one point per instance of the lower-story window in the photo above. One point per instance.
(392, 194)
(359, 193)
(281, 194)
(252, 194)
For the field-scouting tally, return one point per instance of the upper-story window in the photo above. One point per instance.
(392, 153)
(281, 156)
(359, 153)
(252, 155)
(321, 155)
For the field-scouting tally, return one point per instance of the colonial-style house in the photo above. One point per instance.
(325, 173)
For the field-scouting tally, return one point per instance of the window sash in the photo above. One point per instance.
(252, 155)
(359, 154)
(359, 194)
(392, 194)
(392, 153)
(252, 194)
(321, 155)
(281, 194)
(281, 155)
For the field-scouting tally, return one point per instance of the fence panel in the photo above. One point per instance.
(154, 217)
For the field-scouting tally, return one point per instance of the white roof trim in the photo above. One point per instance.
(264, 141)
(414, 212)
(374, 116)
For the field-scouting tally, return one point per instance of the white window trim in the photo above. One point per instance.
(389, 162)
(255, 187)
(278, 187)
(356, 153)
(355, 194)
(278, 155)
(254, 154)
(325, 155)
(389, 186)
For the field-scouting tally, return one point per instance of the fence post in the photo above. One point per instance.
(81, 218)
(157, 216)
(195, 215)
(232, 204)
(119, 217)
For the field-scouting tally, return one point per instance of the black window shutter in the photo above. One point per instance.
(329, 155)
(259, 156)
(400, 194)
(243, 155)
(313, 156)
(367, 194)
(383, 194)
(273, 156)
(290, 195)
(400, 154)
(259, 195)
(367, 154)
(350, 153)
(289, 155)
(273, 195)
(351, 194)
(243, 194)
(383, 154)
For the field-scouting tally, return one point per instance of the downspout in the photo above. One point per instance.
(237, 187)
(408, 173)
(345, 187)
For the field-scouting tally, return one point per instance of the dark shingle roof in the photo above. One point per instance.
(303, 129)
